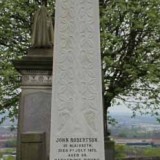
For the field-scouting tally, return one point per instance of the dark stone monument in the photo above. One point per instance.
(35, 101)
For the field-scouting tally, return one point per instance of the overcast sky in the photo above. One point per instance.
(120, 109)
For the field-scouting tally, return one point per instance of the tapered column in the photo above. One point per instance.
(77, 112)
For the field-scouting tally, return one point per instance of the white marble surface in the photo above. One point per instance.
(76, 116)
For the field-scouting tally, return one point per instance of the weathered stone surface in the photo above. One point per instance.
(36, 112)
(34, 64)
(33, 146)
(42, 29)
(39, 52)
(35, 101)
(77, 121)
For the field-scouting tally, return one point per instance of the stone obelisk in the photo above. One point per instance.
(77, 114)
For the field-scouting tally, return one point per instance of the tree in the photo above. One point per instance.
(130, 54)
(12, 45)
(129, 49)
(15, 31)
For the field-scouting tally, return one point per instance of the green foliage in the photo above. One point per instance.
(15, 31)
(152, 152)
(111, 121)
(10, 158)
(130, 54)
(130, 47)
(120, 152)
(10, 144)
(1, 153)
(8, 152)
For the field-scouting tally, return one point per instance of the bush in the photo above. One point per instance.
(152, 152)
(120, 151)
(1, 154)
(10, 143)
(9, 158)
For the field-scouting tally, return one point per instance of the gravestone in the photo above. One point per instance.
(76, 114)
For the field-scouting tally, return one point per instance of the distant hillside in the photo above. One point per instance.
(137, 127)
(126, 118)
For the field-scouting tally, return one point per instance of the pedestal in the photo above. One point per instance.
(35, 100)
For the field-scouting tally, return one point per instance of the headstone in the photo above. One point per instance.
(76, 114)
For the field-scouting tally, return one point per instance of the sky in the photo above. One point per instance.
(120, 109)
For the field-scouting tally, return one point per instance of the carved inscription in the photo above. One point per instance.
(77, 148)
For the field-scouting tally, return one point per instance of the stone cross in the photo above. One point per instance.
(76, 114)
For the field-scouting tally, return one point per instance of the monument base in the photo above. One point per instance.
(109, 149)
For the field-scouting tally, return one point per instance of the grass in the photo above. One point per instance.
(152, 152)
(7, 151)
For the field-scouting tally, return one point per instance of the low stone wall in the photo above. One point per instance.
(143, 158)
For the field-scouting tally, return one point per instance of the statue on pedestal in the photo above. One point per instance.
(42, 29)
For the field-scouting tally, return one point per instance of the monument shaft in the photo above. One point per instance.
(77, 112)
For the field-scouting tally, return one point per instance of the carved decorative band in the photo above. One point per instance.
(37, 80)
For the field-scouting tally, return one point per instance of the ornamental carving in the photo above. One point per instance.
(36, 78)
(76, 84)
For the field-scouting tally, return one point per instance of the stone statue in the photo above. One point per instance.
(42, 29)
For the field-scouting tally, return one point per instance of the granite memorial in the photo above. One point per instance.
(35, 101)
(76, 113)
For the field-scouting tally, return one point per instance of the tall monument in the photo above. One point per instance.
(35, 102)
(77, 114)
